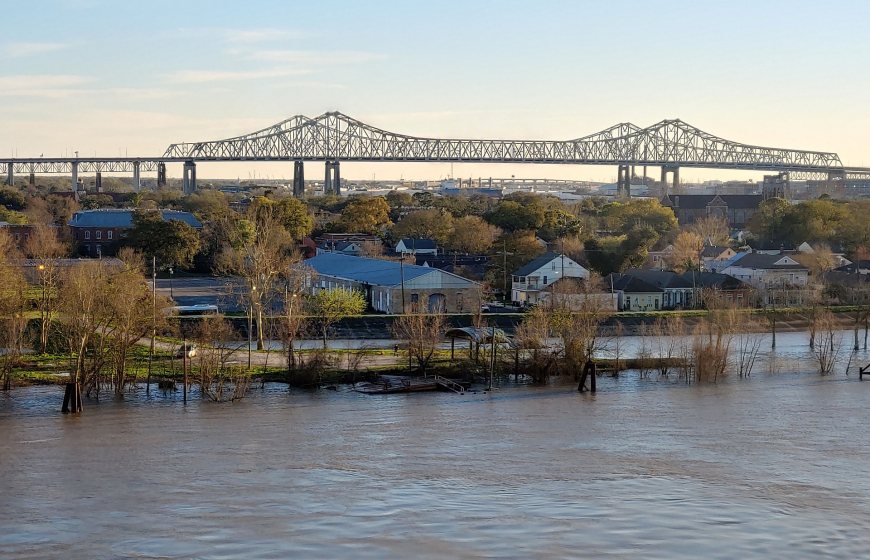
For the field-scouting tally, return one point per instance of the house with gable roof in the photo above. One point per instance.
(768, 273)
(529, 281)
(392, 286)
(417, 246)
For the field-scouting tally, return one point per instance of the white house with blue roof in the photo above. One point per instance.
(386, 284)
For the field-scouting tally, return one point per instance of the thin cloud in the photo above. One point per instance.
(260, 35)
(206, 76)
(316, 57)
(20, 50)
(42, 85)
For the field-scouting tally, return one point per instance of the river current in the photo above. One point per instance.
(771, 466)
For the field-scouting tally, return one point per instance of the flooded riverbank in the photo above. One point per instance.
(767, 466)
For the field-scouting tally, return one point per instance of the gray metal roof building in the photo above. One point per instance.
(123, 218)
(394, 287)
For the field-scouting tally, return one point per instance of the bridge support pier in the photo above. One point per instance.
(32, 179)
(161, 175)
(835, 180)
(137, 180)
(676, 177)
(75, 175)
(332, 179)
(188, 181)
(98, 182)
(298, 179)
(623, 182)
(10, 174)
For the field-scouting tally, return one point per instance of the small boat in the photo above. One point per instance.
(390, 386)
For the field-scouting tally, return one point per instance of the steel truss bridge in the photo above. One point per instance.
(334, 137)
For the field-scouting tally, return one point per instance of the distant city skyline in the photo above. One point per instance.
(114, 78)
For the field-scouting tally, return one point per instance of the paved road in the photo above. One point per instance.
(203, 290)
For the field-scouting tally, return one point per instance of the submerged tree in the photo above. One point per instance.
(531, 339)
(219, 379)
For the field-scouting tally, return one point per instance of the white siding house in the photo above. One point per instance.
(530, 280)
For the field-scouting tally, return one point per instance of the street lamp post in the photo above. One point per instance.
(42, 334)
(171, 295)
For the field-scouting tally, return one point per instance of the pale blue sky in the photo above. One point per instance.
(106, 77)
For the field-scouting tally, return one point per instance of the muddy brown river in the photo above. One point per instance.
(775, 466)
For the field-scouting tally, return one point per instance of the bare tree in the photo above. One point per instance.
(84, 315)
(13, 322)
(131, 313)
(422, 332)
(713, 338)
(827, 348)
(293, 320)
(687, 252)
(576, 317)
(45, 248)
(531, 338)
(713, 230)
(220, 380)
(748, 346)
(372, 249)
(260, 260)
(668, 334)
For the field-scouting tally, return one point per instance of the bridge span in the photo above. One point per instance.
(335, 137)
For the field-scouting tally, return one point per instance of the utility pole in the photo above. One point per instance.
(504, 256)
(504, 271)
(153, 322)
(402, 279)
(184, 366)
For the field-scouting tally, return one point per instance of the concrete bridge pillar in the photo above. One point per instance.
(835, 181)
(32, 179)
(137, 180)
(10, 174)
(161, 175)
(188, 181)
(298, 179)
(675, 170)
(623, 182)
(332, 179)
(98, 182)
(75, 175)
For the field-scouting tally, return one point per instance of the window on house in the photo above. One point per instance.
(415, 298)
(545, 280)
(109, 234)
(459, 301)
(99, 234)
(87, 234)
